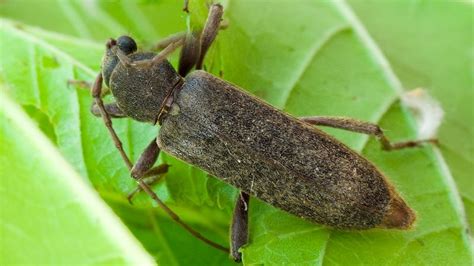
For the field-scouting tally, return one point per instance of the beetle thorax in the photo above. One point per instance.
(140, 90)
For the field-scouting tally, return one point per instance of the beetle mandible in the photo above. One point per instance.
(264, 152)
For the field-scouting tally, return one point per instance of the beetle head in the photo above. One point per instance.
(125, 44)
(138, 89)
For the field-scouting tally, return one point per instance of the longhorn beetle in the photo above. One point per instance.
(264, 152)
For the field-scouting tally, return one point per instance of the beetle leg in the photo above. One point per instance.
(197, 43)
(169, 40)
(180, 35)
(239, 227)
(146, 160)
(189, 54)
(210, 31)
(151, 177)
(160, 56)
(111, 108)
(143, 167)
(364, 128)
(167, 51)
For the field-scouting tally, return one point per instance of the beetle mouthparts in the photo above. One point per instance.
(398, 215)
(111, 42)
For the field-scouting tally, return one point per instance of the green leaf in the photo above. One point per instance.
(49, 215)
(435, 54)
(308, 58)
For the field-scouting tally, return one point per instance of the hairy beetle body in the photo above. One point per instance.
(218, 127)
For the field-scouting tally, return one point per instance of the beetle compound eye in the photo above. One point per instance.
(126, 44)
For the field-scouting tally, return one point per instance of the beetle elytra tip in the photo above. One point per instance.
(398, 215)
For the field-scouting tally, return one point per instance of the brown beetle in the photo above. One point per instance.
(264, 152)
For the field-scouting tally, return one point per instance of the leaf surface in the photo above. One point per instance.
(308, 58)
(43, 200)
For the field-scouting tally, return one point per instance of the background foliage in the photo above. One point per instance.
(306, 57)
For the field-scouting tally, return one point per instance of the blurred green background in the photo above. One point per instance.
(352, 58)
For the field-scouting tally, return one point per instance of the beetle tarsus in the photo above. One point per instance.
(239, 226)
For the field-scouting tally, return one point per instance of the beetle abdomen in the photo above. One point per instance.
(275, 157)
